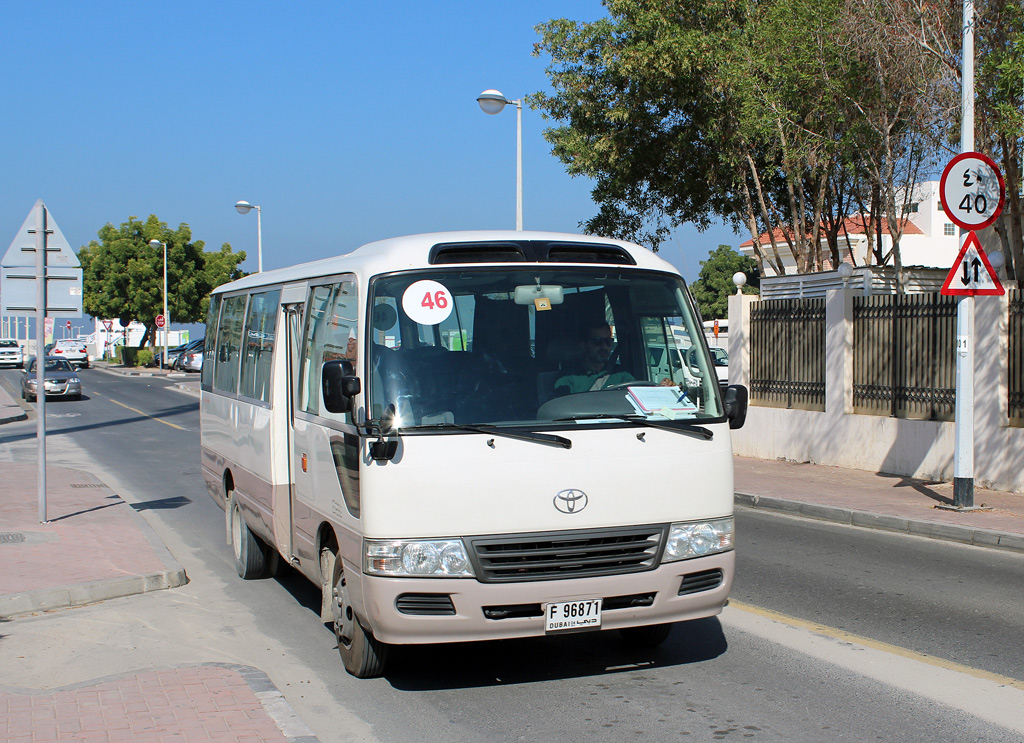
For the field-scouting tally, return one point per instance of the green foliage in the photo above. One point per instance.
(144, 357)
(123, 275)
(786, 115)
(127, 356)
(711, 291)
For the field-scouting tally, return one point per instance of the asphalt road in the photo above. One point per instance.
(748, 675)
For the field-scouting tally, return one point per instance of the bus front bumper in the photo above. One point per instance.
(418, 611)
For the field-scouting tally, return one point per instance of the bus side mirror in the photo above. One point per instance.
(736, 405)
(339, 385)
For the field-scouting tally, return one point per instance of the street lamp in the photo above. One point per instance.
(244, 207)
(154, 243)
(493, 102)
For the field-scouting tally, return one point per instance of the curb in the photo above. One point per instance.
(66, 597)
(867, 520)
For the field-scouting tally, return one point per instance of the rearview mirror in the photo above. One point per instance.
(339, 385)
(530, 293)
(736, 405)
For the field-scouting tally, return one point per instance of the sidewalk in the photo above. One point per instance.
(96, 547)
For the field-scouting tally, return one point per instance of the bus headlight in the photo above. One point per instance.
(698, 538)
(439, 558)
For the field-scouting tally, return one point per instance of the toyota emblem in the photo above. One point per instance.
(570, 501)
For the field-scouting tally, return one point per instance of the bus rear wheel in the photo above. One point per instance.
(364, 655)
(250, 554)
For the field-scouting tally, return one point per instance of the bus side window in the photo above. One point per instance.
(229, 344)
(331, 333)
(260, 325)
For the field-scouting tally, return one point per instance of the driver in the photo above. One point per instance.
(591, 371)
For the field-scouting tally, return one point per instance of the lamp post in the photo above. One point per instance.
(167, 321)
(493, 102)
(244, 207)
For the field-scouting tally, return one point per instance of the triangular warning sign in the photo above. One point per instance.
(971, 272)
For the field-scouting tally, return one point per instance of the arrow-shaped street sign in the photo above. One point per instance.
(971, 273)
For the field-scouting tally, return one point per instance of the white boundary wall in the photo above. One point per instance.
(922, 449)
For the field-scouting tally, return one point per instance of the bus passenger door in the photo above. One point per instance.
(283, 512)
(325, 445)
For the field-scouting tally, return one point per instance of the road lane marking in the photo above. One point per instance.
(986, 696)
(844, 636)
(147, 415)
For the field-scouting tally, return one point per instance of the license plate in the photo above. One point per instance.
(569, 616)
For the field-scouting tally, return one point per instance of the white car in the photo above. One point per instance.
(11, 353)
(72, 351)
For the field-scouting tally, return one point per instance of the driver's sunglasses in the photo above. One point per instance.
(601, 341)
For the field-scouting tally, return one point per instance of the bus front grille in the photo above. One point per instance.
(567, 554)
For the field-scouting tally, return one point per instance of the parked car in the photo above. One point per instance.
(73, 351)
(192, 358)
(172, 354)
(60, 379)
(11, 353)
(175, 359)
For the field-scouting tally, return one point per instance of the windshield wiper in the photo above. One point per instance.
(538, 438)
(687, 429)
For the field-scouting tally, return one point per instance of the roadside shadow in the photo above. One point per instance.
(537, 659)
(64, 431)
(162, 504)
(924, 487)
(115, 500)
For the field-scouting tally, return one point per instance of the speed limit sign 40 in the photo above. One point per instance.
(972, 190)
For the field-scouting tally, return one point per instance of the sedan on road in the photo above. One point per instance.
(59, 380)
(74, 352)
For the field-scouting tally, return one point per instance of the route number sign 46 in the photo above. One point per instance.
(972, 191)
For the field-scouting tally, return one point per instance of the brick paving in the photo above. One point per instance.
(96, 534)
(193, 704)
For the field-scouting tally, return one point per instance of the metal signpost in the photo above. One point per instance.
(972, 193)
(53, 289)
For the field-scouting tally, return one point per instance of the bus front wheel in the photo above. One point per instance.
(650, 636)
(364, 655)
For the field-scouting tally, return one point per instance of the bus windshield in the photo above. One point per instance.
(513, 347)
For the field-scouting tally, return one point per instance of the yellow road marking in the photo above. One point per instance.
(838, 634)
(147, 415)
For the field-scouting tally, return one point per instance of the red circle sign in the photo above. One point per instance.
(972, 190)
(160, 321)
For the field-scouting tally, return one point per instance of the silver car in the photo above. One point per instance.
(73, 351)
(10, 352)
(59, 379)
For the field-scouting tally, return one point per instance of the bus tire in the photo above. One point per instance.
(650, 636)
(249, 552)
(364, 655)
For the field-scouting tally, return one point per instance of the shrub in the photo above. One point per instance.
(144, 357)
(128, 356)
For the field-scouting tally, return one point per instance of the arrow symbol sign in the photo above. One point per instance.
(966, 278)
(975, 274)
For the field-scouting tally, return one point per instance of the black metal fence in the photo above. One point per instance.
(1015, 365)
(787, 358)
(904, 356)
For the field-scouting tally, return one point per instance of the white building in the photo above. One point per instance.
(929, 238)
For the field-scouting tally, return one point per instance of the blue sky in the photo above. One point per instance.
(347, 122)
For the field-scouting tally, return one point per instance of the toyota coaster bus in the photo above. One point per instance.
(473, 435)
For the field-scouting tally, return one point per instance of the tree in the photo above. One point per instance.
(711, 291)
(122, 276)
(781, 116)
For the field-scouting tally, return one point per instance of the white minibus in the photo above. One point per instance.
(468, 436)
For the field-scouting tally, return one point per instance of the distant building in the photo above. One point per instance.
(929, 238)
